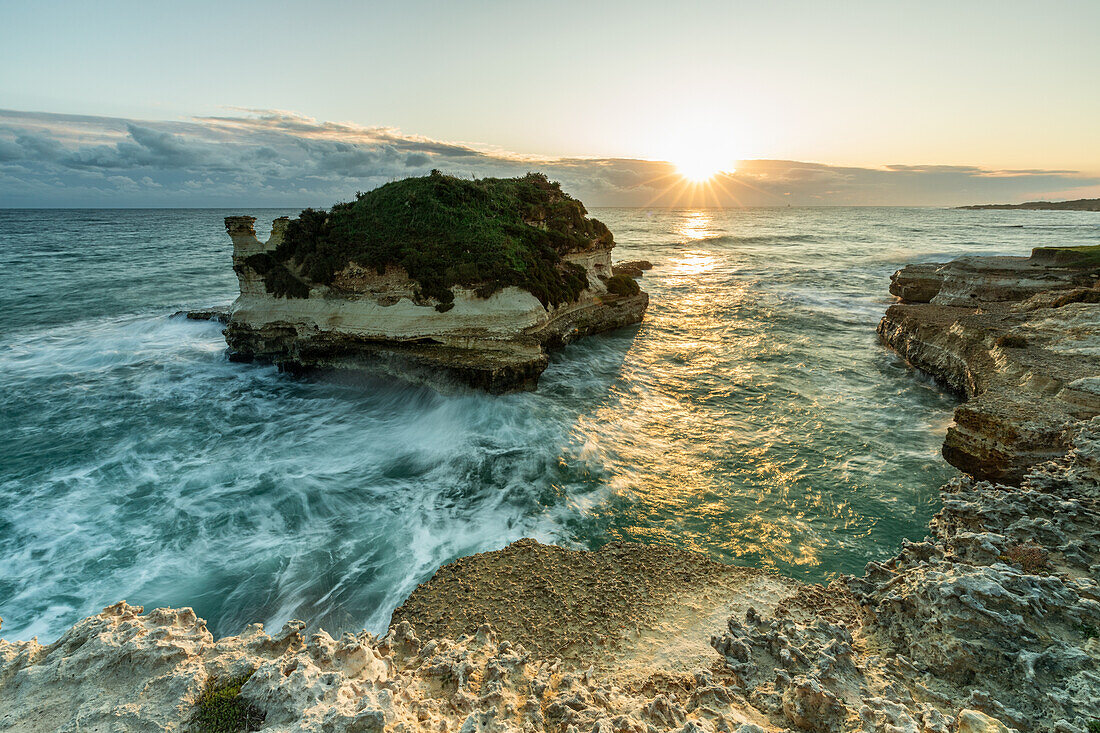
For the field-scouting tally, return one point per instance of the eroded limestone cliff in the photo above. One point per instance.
(453, 324)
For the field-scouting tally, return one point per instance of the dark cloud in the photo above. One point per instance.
(277, 158)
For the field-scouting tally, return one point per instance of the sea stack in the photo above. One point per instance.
(434, 279)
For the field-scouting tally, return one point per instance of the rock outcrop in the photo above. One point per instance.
(1019, 338)
(378, 318)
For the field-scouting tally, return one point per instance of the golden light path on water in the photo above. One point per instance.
(665, 443)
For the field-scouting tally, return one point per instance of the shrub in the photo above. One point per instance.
(278, 279)
(444, 231)
(1029, 556)
(220, 708)
(622, 285)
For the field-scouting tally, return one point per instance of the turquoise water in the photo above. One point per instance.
(753, 416)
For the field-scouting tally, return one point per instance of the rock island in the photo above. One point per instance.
(437, 278)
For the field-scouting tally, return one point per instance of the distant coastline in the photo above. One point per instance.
(1075, 205)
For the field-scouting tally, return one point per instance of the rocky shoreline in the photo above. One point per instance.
(1018, 338)
(991, 623)
(1074, 205)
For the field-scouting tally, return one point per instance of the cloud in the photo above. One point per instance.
(280, 158)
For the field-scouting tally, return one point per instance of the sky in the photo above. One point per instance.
(288, 103)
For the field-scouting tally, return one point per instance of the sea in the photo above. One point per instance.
(753, 416)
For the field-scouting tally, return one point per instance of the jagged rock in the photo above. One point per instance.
(220, 315)
(1019, 339)
(974, 281)
(974, 721)
(631, 268)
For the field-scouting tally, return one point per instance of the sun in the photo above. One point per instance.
(699, 166)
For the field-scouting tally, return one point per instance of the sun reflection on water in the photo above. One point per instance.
(739, 407)
(693, 263)
(695, 226)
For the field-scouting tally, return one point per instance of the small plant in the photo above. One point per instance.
(1089, 631)
(1030, 556)
(1093, 726)
(622, 285)
(220, 708)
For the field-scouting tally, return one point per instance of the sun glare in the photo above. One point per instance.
(699, 167)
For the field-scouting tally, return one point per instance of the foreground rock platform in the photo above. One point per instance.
(1018, 337)
(645, 608)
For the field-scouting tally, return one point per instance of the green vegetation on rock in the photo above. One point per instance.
(445, 231)
(221, 709)
(278, 280)
(622, 285)
(1087, 255)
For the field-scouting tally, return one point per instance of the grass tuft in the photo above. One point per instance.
(1086, 255)
(220, 708)
(622, 285)
(444, 231)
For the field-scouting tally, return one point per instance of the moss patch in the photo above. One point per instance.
(445, 231)
(220, 708)
(622, 285)
(1083, 256)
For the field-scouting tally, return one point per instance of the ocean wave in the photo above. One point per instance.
(239, 490)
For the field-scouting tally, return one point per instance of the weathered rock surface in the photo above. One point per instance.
(379, 322)
(219, 315)
(628, 606)
(631, 268)
(1019, 338)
